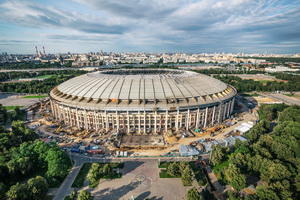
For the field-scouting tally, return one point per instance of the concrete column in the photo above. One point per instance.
(85, 119)
(232, 105)
(225, 109)
(102, 120)
(96, 121)
(166, 121)
(144, 122)
(177, 120)
(52, 109)
(205, 118)
(77, 117)
(139, 113)
(228, 109)
(155, 121)
(106, 121)
(117, 120)
(221, 108)
(128, 123)
(70, 116)
(63, 112)
(187, 119)
(213, 116)
(197, 118)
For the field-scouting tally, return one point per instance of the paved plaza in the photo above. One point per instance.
(140, 181)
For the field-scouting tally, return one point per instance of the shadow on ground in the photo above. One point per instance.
(117, 193)
(130, 166)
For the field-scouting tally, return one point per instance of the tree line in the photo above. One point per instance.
(34, 65)
(226, 71)
(248, 85)
(275, 59)
(21, 156)
(270, 155)
(4, 76)
(38, 86)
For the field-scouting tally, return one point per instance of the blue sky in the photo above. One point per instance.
(192, 26)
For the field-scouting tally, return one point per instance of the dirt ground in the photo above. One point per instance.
(259, 100)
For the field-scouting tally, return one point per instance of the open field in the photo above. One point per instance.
(14, 100)
(12, 107)
(45, 76)
(35, 96)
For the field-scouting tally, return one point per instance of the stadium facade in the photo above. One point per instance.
(142, 100)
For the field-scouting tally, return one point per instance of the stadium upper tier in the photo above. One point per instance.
(149, 88)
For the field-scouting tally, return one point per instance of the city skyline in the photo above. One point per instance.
(150, 26)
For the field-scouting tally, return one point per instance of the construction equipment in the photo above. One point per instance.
(58, 130)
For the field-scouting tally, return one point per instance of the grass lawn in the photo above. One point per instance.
(220, 166)
(34, 96)
(45, 76)
(78, 182)
(12, 107)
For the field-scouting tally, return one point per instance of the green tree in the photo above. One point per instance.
(58, 164)
(173, 169)
(218, 155)
(193, 194)
(186, 176)
(73, 194)
(2, 190)
(234, 177)
(107, 169)
(265, 193)
(84, 195)
(94, 173)
(37, 187)
(182, 166)
(17, 192)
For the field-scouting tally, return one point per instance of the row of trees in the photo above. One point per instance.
(34, 65)
(22, 155)
(270, 155)
(99, 170)
(226, 71)
(248, 85)
(34, 188)
(182, 169)
(36, 86)
(276, 59)
(4, 76)
(83, 195)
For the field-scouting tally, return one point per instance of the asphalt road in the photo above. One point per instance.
(283, 98)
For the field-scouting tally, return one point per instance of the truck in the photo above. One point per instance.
(75, 150)
(98, 151)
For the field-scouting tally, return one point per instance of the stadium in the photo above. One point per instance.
(142, 101)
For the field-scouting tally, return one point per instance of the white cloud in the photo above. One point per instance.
(160, 25)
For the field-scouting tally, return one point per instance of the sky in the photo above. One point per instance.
(154, 26)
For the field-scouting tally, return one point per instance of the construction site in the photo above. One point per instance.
(118, 126)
